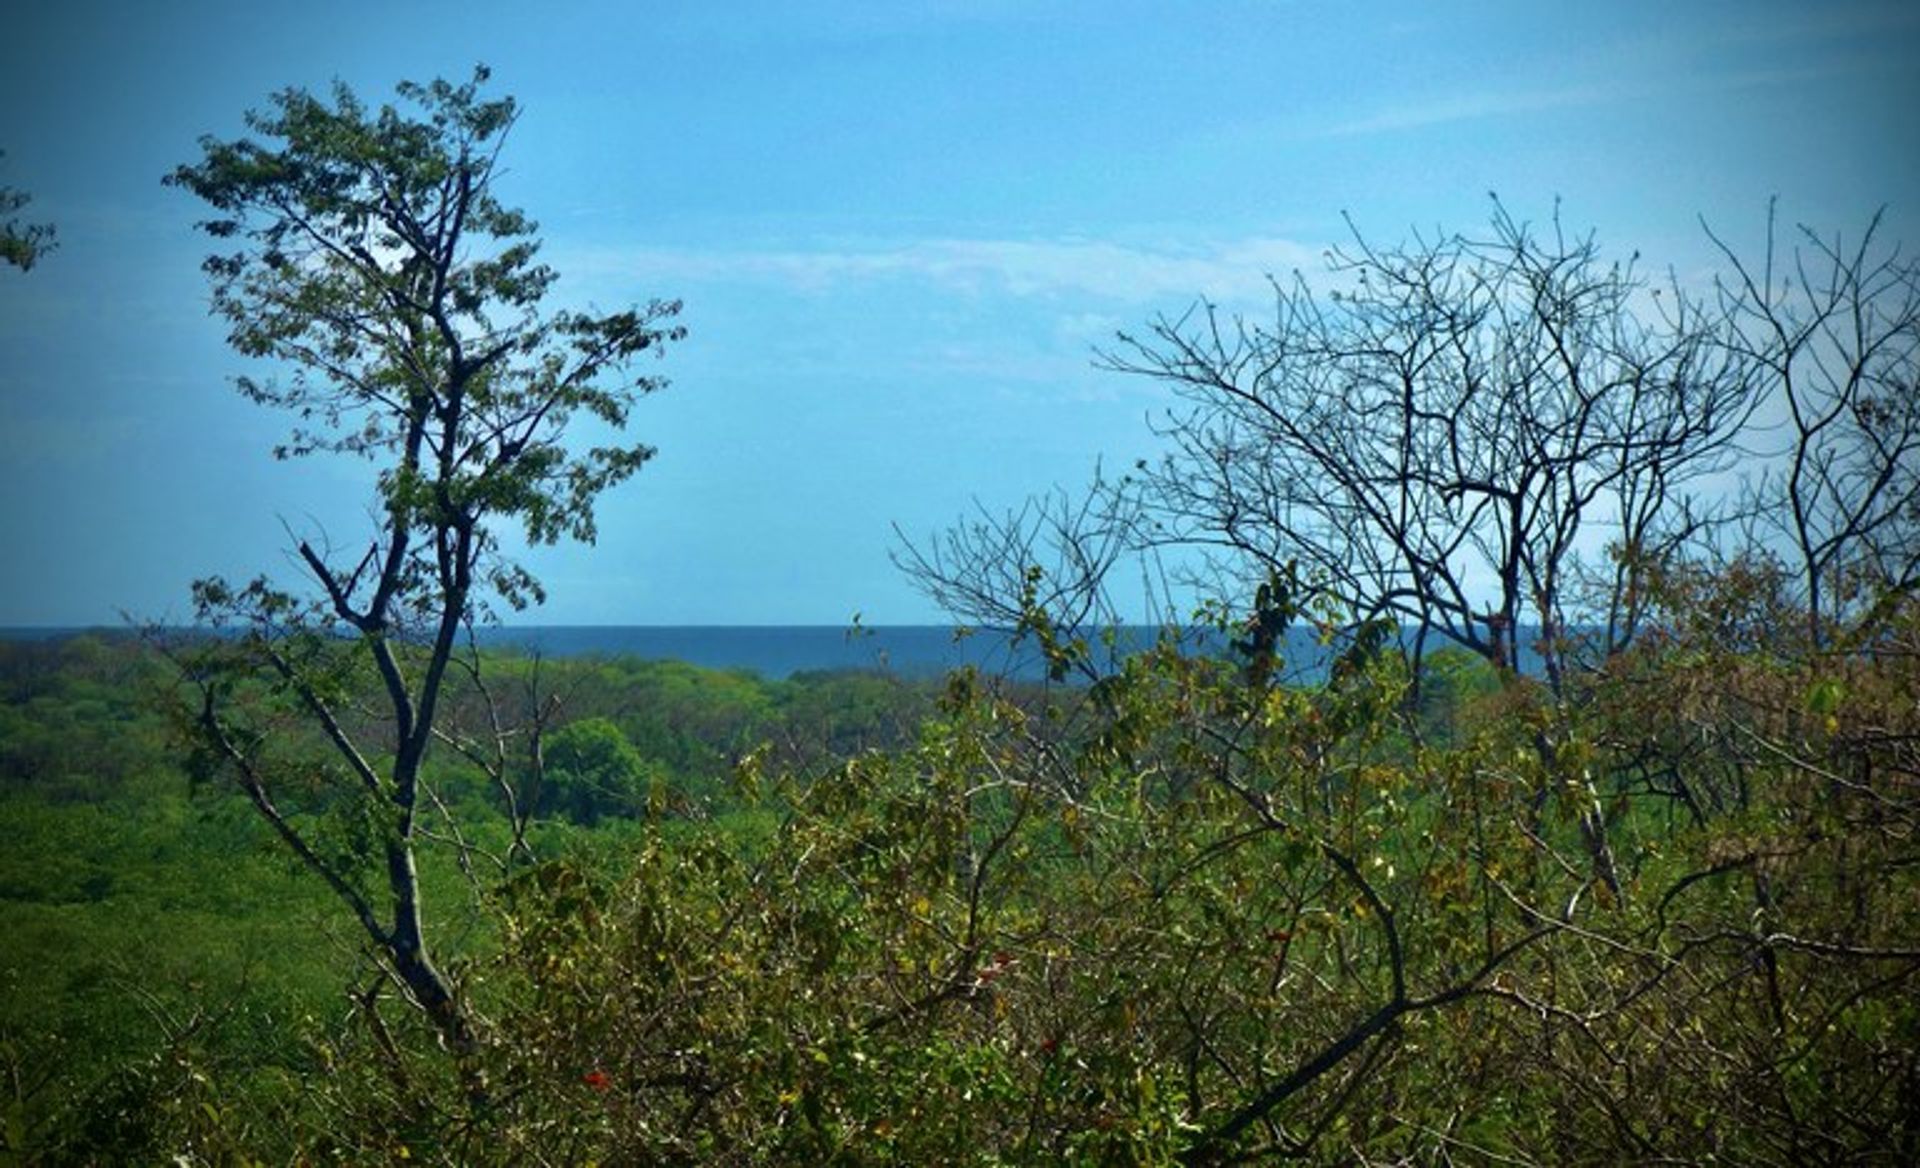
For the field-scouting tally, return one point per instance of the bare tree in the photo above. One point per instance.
(1055, 550)
(1439, 440)
(1441, 443)
(1045, 569)
(1834, 331)
(1449, 440)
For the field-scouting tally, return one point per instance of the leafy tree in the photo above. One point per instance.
(367, 254)
(21, 244)
(592, 771)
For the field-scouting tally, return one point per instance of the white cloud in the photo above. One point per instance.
(1440, 110)
(1470, 107)
(1026, 268)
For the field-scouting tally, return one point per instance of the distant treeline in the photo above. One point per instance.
(784, 652)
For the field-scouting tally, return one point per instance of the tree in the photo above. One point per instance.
(1725, 971)
(592, 771)
(370, 257)
(1435, 442)
(1049, 560)
(21, 244)
(1429, 446)
(1835, 332)
(1432, 442)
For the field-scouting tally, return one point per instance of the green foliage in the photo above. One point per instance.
(376, 258)
(172, 980)
(592, 771)
(1184, 915)
(21, 244)
(126, 966)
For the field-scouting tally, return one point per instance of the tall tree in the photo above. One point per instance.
(369, 257)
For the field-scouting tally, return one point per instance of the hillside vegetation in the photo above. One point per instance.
(1184, 914)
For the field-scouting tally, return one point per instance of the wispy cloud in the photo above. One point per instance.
(1443, 109)
(1094, 270)
(1472, 107)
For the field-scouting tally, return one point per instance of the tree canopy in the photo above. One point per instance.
(368, 256)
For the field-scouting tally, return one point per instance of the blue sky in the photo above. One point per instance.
(900, 229)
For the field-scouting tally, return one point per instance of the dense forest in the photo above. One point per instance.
(156, 930)
(1587, 837)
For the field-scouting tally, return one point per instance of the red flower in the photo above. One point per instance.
(1001, 963)
(596, 1079)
